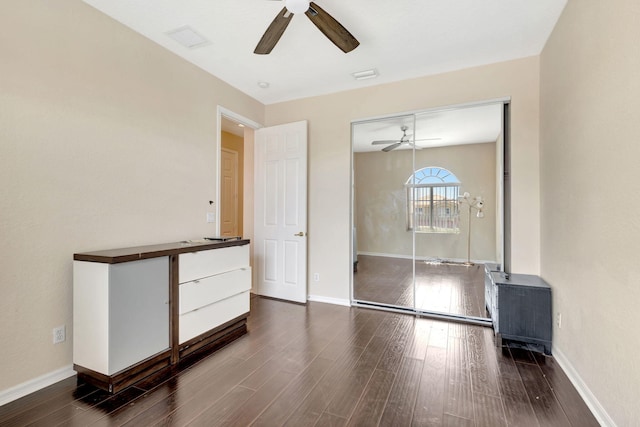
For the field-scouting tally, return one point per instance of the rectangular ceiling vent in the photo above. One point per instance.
(366, 74)
(188, 37)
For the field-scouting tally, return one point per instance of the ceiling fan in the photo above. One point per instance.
(404, 140)
(331, 28)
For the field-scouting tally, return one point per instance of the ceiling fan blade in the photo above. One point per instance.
(273, 33)
(388, 141)
(392, 146)
(331, 28)
(428, 139)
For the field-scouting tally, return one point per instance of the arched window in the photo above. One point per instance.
(432, 201)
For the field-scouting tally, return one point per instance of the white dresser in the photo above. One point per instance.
(214, 288)
(140, 311)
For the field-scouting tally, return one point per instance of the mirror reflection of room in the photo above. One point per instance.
(418, 242)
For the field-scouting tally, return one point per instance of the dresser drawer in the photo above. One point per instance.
(196, 265)
(202, 292)
(206, 318)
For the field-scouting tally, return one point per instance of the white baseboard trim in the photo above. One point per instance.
(386, 255)
(329, 300)
(21, 390)
(426, 258)
(592, 402)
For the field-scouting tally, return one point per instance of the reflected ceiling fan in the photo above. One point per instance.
(404, 140)
(331, 28)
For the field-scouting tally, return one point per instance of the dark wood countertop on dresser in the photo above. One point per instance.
(115, 256)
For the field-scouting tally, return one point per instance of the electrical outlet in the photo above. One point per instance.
(59, 334)
(559, 320)
(316, 277)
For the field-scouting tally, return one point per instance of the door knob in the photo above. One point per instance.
(300, 234)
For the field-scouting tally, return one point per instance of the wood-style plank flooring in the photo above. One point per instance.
(328, 365)
(443, 288)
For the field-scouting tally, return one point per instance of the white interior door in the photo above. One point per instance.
(280, 249)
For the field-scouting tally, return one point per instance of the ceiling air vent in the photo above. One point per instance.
(188, 37)
(366, 74)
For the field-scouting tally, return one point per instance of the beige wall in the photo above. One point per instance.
(106, 140)
(590, 100)
(329, 119)
(380, 202)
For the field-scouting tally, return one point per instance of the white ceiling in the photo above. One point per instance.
(399, 38)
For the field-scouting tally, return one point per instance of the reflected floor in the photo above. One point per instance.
(445, 288)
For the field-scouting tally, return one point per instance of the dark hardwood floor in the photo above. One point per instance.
(328, 365)
(443, 288)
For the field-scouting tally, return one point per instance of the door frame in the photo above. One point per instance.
(248, 123)
(503, 211)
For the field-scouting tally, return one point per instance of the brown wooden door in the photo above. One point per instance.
(229, 212)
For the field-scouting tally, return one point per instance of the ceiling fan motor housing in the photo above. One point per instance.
(297, 6)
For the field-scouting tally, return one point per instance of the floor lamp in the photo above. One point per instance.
(472, 203)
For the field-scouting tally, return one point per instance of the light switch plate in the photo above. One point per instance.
(211, 217)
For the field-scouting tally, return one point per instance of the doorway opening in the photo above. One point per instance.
(231, 178)
(417, 247)
(273, 217)
(234, 175)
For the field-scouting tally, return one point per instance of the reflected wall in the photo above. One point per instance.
(381, 202)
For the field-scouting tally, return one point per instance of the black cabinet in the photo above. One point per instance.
(520, 307)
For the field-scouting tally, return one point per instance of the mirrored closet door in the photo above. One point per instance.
(382, 162)
(427, 203)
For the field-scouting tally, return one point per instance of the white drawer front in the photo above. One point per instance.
(206, 291)
(196, 265)
(199, 321)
